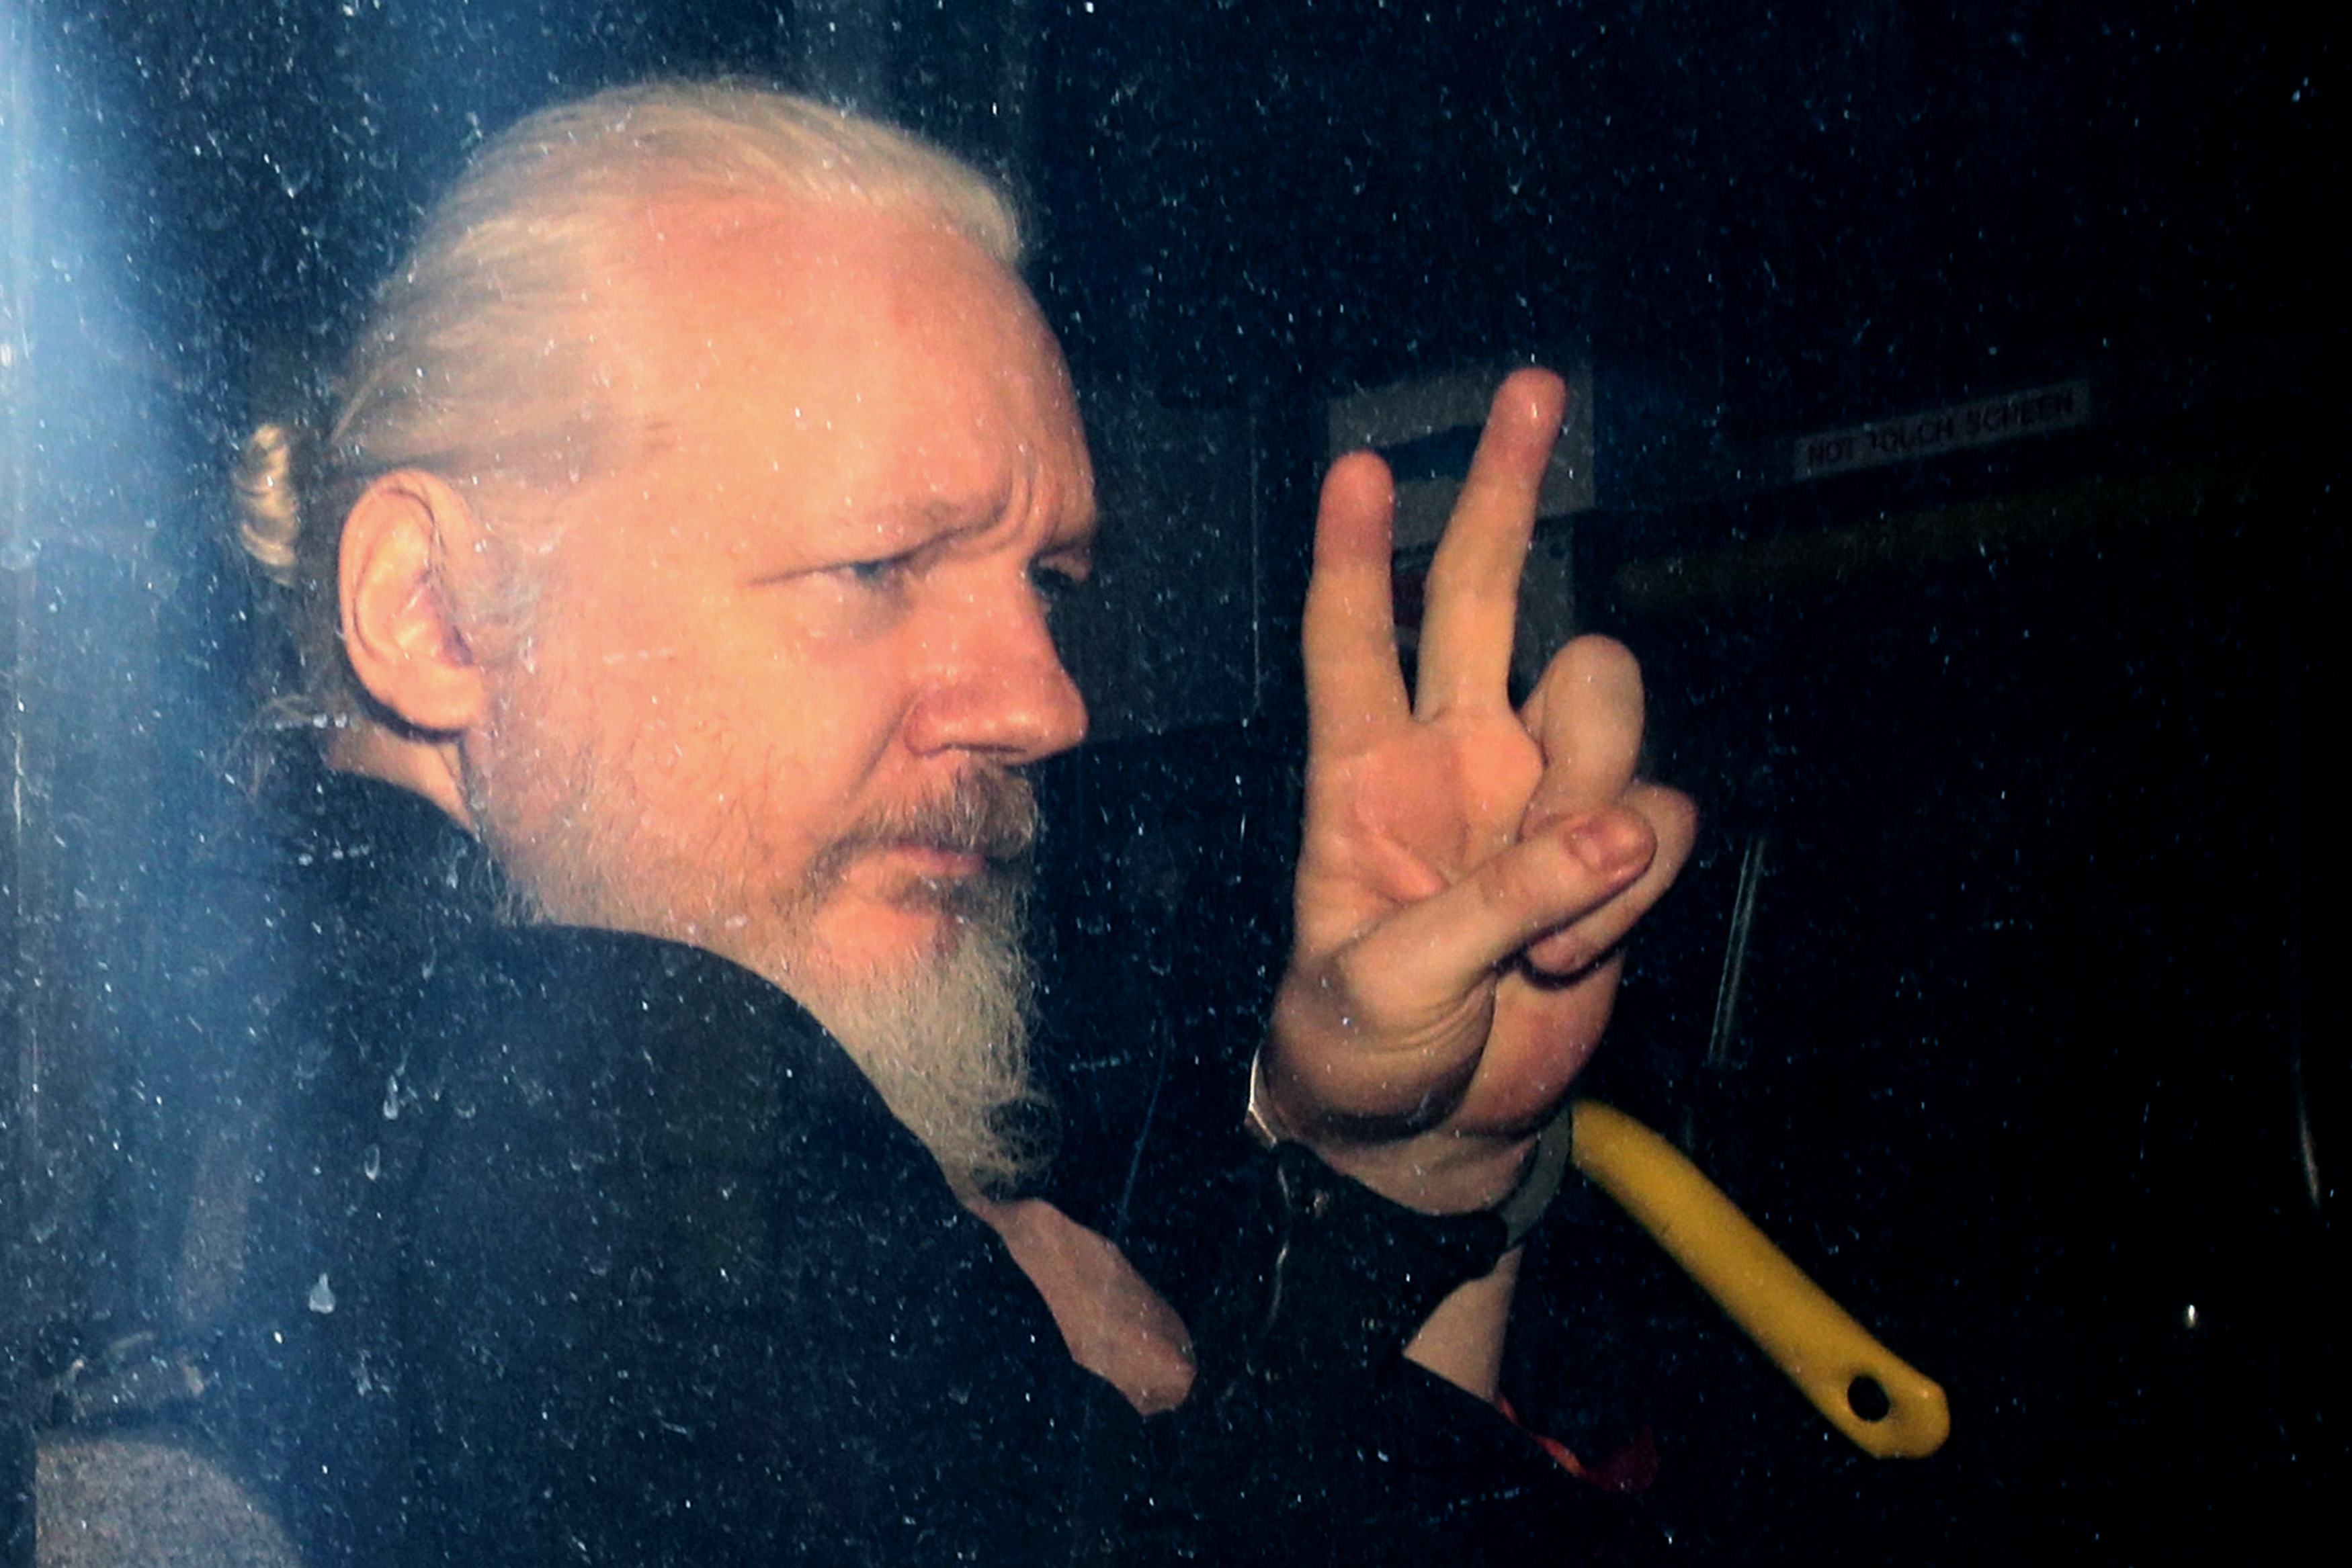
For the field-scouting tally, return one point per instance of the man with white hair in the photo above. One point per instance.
(680, 556)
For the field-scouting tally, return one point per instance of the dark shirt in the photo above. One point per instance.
(578, 1247)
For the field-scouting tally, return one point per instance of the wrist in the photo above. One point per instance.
(1434, 1172)
(1439, 1171)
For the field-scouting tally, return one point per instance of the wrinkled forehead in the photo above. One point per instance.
(757, 319)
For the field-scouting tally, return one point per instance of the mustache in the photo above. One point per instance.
(989, 814)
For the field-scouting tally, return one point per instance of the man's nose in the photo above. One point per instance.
(996, 687)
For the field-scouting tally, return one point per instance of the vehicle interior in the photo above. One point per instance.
(1957, 441)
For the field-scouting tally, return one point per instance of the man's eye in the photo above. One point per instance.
(883, 573)
(1054, 586)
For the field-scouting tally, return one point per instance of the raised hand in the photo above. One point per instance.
(1467, 869)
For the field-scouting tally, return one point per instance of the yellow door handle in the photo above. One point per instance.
(1833, 1361)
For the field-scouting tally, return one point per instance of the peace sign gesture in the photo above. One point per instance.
(1466, 869)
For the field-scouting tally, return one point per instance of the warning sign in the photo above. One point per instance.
(1914, 435)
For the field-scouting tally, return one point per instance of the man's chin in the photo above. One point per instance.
(885, 940)
(933, 1006)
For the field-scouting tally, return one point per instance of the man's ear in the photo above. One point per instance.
(400, 627)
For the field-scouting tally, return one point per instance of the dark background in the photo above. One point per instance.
(2040, 1040)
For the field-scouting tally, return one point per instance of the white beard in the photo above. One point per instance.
(945, 1044)
(943, 1038)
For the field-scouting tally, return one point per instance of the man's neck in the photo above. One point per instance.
(426, 767)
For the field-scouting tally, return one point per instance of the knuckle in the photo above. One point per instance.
(1509, 888)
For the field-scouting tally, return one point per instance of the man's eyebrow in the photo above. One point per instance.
(932, 516)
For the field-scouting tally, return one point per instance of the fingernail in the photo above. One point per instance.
(1609, 843)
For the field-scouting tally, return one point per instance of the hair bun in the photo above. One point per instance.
(269, 507)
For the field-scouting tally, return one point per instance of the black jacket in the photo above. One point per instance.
(577, 1246)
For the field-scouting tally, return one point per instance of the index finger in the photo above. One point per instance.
(1349, 633)
(1474, 580)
